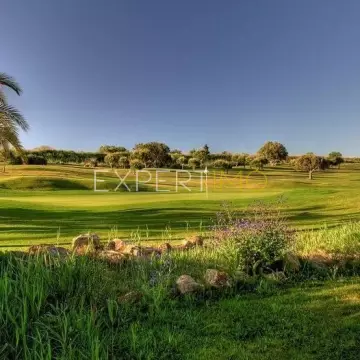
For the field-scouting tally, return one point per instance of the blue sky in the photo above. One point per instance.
(230, 73)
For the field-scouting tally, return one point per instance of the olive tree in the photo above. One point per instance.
(222, 164)
(194, 163)
(335, 158)
(273, 151)
(310, 163)
(123, 162)
(259, 162)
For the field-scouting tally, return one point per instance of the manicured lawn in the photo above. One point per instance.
(37, 204)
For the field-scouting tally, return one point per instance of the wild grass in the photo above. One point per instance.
(341, 240)
(52, 308)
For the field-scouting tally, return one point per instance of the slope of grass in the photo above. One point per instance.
(54, 214)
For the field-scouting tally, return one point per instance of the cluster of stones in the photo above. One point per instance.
(116, 250)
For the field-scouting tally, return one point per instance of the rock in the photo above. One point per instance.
(165, 247)
(186, 284)
(195, 240)
(186, 244)
(86, 241)
(291, 262)
(116, 245)
(112, 257)
(131, 297)
(142, 251)
(217, 279)
(48, 250)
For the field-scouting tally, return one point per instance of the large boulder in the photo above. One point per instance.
(186, 285)
(48, 250)
(85, 242)
(217, 279)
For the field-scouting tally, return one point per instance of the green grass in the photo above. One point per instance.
(69, 310)
(52, 204)
(55, 309)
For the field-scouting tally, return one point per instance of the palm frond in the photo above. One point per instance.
(9, 138)
(10, 114)
(3, 99)
(10, 82)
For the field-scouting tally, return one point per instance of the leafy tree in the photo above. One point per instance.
(10, 120)
(136, 164)
(202, 154)
(112, 159)
(124, 162)
(259, 162)
(152, 154)
(222, 164)
(239, 159)
(43, 148)
(92, 162)
(36, 160)
(106, 149)
(335, 158)
(181, 160)
(310, 163)
(194, 163)
(274, 152)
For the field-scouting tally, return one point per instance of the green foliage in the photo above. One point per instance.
(255, 240)
(222, 164)
(136, 164)
(107, 149)
(67, 156)
(240, 159)
(194, 163)
(153, 154)
(274, 152)
(124, 162)
(202, 154)
(335, 158)
(36, 160)
(259, 162)
(11, 120)
(310, 163)
(112, 159)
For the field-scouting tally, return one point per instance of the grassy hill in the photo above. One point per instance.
(54, 203)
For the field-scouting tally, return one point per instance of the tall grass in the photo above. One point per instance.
(342, 240)
(55, 308)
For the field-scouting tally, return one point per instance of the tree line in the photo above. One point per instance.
(159, 155)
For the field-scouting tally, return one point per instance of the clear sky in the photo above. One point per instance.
(231, 73)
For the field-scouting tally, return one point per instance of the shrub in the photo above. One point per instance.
(136, 164)
(222, 164)
(36, 160)
(255, 240)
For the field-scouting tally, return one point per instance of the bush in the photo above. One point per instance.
(15, 159)
(136, 164)
(36, 160)
(256, 240)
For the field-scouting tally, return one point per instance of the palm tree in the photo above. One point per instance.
(10, 119)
